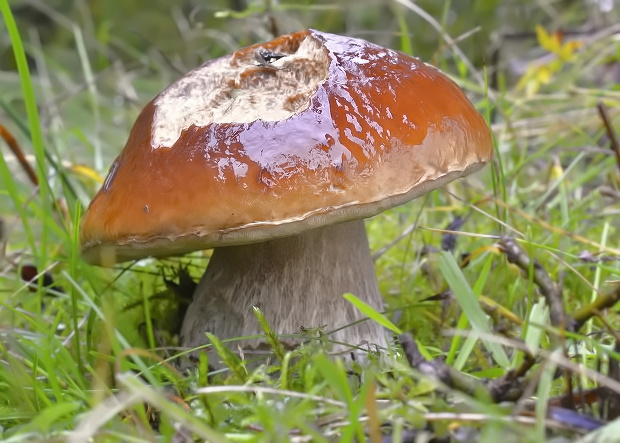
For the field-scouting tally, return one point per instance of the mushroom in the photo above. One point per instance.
(274, 156)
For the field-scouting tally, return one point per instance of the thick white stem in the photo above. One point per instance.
(297, 282)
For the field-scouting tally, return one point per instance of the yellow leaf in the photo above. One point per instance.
(556, 171)
(551, 42)
(86, 172)
(554, 43)
(567, 51)
(544, 75)
(533, 79)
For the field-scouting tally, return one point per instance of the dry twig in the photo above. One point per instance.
(613, 140)
(602, 302)
(14, 146)
(548, 288)
(508, 387)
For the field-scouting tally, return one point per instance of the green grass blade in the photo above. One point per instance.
(11, 188)
(229, 358)
(270, 335)
(371, 313)
(543, 392)
(73, 263)
(469, 303)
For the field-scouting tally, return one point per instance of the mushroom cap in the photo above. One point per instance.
(304, 131)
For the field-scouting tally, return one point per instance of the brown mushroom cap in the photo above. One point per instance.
(304, 131)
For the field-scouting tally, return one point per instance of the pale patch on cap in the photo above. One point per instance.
(270, 86)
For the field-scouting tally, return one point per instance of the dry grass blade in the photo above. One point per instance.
(268, 390)
(555, 229)
(97, 417)
(15, 148)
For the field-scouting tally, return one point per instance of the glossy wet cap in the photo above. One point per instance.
(304, 131)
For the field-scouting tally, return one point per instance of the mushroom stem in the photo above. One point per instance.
(296, 282)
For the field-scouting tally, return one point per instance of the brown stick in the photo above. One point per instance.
(14, 146)
(548, 288)
(601, 303)
(613, 140)
(508, 387)
(436, 369)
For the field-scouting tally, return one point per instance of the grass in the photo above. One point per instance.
(84, 359)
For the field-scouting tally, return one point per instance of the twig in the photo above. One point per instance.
(274, 27)
(514, 385)
(436, 369)
(607, 191)
(14, 146)
(602, 302)
(613, 140)
(548, 288)
(551, 291)
(510, 386)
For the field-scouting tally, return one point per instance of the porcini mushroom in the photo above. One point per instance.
(273, 156)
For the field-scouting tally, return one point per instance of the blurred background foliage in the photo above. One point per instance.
(182, 34)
